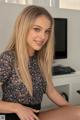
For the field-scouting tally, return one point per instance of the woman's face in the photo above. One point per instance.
(38, 34)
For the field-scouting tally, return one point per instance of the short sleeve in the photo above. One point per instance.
(5, 66)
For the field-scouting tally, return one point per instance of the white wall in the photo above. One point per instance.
(69, 4)
(8, 13)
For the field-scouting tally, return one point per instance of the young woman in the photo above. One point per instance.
(25, 70)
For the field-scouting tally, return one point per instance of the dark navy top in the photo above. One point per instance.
(13, 89)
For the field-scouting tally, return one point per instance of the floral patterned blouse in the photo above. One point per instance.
(13, 89)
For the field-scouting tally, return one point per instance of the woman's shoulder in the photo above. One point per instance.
(7, 55)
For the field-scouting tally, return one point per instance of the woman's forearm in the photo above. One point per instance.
(59, 100)
(54, 96)
(7, 107)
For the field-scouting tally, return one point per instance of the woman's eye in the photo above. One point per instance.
(36, 29)
(48, 32)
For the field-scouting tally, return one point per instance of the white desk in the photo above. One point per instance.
(66, 79)
(69, 84)
(73, 83)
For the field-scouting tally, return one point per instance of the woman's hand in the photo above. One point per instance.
(26, 113)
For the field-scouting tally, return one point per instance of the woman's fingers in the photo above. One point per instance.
(33, 115)
(36, 118)
(27, 113)
(34, 110)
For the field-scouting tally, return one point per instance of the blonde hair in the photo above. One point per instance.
(18, 44)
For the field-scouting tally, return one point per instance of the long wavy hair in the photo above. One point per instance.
(18, 43)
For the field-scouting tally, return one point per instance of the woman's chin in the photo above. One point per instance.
(37, 49)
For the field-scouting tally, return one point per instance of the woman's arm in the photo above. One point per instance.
(54, 96)
(7, 107)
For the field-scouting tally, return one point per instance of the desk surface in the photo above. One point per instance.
(65, 79)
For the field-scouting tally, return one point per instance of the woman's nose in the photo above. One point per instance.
(42, 35)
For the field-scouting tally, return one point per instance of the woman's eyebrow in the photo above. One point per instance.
(41, 27)
(37, 26)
